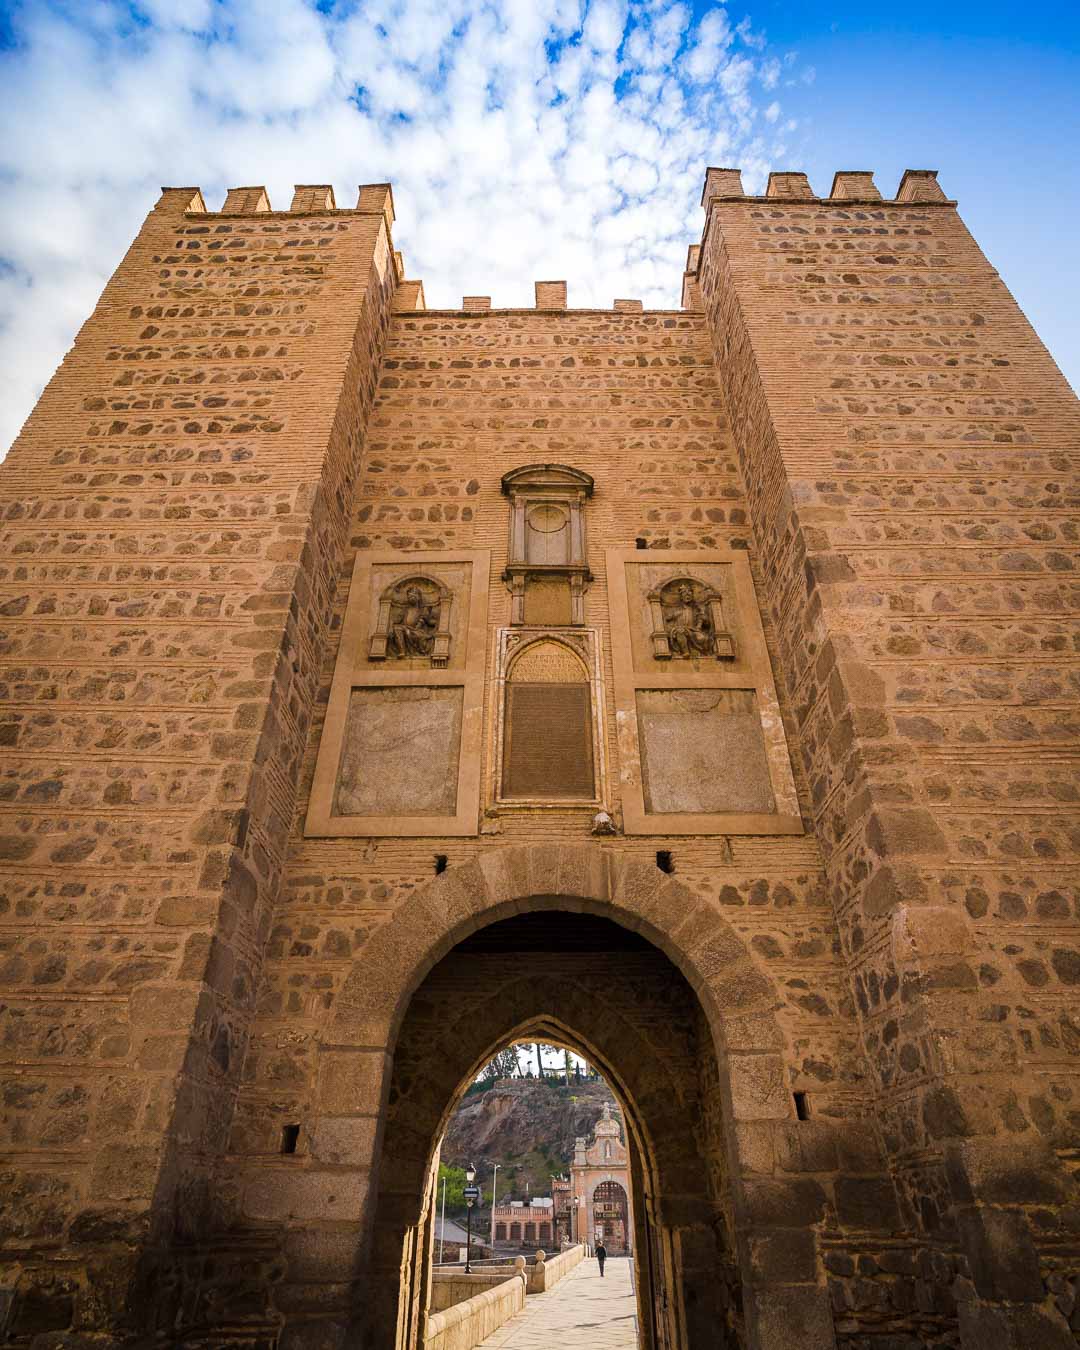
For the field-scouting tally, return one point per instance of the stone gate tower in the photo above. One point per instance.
(697, 688)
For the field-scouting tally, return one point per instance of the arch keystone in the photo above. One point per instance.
(543, 869)
(581, 871)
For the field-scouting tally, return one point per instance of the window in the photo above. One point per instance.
(500, 1232)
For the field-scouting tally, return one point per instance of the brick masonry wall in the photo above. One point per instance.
(909, 451)
(169, 513)
(630, 399)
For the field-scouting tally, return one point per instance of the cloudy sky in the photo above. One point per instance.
(525, 138)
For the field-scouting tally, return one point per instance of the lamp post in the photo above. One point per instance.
(470, 1196)
(577, 1221)
(442, 1226)
(494, 1186)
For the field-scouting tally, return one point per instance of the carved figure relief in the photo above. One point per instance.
(688, 622)
(413, 622)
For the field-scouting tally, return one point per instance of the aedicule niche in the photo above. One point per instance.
(547, 567)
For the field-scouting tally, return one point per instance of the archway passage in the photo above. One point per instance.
(611, 1217)
(589, 983)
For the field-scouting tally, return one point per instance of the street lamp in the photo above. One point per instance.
(494, 1189)
(470, 1196)
(577, 1221)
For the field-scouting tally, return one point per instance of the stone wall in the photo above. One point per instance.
(631, 399)
(203, 999)
(467, 1324)
(168, 515)
(450, 1287)
(907, 445)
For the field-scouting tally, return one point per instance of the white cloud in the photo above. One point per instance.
(524, 138)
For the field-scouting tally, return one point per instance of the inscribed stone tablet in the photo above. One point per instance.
(400, 752)
(548, 741)
(547, 663)
(547, 600)
(702, 750)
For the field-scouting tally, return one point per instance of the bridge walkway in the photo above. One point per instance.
(582, 1312)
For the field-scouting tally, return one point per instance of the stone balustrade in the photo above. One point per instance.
(546, 1273)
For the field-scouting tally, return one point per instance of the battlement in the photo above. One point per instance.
(850, 186)
(373, 199)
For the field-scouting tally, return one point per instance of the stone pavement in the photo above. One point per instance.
(582, 1312)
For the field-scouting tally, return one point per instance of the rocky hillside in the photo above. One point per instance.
(526, 1126)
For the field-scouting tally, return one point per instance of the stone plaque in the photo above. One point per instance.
(547, 662)
(702, 750)
(547, 601)
(548, 741)
(400, 752)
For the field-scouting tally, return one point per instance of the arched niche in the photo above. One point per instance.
(412, 621)
(549, 726)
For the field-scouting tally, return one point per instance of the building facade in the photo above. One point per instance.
(696, 688)
(599, 1208)
(525, 1224)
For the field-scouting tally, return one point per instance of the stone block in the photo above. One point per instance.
(866, 1203)
(926, 933)
(791, 1203)
(993, 1327)
(759, 1088)
(347, 1141)
(316, 1254)
(352, 1082)
(795, 1315)
(787, 1256)
(1002, 1257)
(282, 1195)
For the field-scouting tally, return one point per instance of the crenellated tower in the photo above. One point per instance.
(693, 688)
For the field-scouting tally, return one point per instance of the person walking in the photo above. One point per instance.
(601, 1256)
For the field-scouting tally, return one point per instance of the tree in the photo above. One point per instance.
(503, 1065)
(455, 1186)
(553, 1052)
(539, 1060)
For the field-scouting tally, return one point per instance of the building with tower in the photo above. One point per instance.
(693, 687)
(599, 1201)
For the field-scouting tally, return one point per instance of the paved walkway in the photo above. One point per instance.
(582, 1312)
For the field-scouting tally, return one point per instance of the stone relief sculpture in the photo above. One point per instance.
(413, 622)
(688, 622)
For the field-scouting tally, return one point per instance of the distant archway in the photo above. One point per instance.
(611, 1217)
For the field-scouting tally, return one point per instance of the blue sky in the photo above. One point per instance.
(524, 138)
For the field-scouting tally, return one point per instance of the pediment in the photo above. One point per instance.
(547, 476)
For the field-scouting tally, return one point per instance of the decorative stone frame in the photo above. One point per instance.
(555, 485)
(511, 643)
(440, 652)
(752, 674)
(356, 670)
(724, 641)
